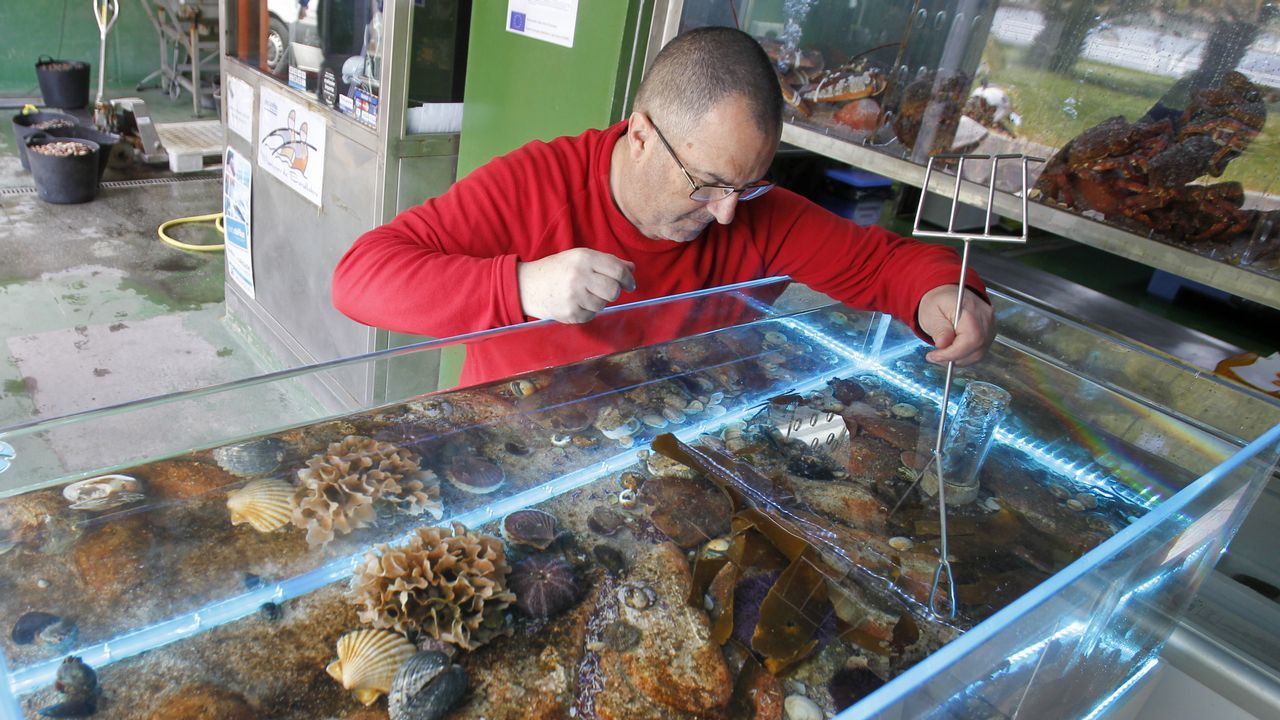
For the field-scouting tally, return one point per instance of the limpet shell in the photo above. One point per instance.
(265, 505)
(901, 544)
(799, 707)
(654, 420)
(103, 492)
(252, 458)
(368, 660)
(1088, 501)
(773, 337)
(1075, 505)
(531, 527)
(614, 426)
(904, 410)
(673, 415)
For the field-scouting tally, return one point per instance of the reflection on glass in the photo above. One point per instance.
(329, 48)
(1154, 113)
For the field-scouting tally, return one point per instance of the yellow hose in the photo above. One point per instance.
(217, 223)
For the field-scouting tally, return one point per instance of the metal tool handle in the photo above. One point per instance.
(943, 569)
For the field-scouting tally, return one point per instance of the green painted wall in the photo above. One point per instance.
(520, 89)
(66, 30)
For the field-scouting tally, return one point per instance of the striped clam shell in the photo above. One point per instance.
(368, 660)
(263, 504)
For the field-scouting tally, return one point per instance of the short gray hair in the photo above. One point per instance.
(702, 67)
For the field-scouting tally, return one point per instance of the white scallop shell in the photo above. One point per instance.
(368, 660)
(264, 504)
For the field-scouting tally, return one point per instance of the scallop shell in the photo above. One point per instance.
(532, 527)
(368, 660)
(264, 504)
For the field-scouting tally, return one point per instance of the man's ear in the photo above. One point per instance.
(639, 134)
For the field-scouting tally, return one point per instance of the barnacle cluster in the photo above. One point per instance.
(449, 584)
(338, 488)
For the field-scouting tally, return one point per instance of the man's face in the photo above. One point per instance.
(726, 148)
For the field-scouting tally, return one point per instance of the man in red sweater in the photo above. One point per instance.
(669, 201)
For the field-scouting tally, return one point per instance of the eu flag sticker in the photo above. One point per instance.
(517, 21)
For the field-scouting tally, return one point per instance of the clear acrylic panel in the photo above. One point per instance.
(713, 475)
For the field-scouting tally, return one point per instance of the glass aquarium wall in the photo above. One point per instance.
(716, 505)
(1152, 115)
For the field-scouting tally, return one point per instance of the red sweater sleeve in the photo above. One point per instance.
(448, 266)
(868, 268)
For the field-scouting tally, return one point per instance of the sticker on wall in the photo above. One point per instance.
(240, 107)
(291, 141)
(549, 20)
(237, 203)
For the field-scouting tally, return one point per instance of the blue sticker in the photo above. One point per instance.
(517, 21)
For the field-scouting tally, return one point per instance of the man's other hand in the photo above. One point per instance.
(572, 286)
(968, 342)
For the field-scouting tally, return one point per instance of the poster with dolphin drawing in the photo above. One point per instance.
(291, 142)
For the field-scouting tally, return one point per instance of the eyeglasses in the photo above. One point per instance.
(705, 193)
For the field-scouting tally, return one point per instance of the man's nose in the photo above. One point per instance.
(724, 208)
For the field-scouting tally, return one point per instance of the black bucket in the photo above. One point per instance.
(105, 141)
(63, 180)
(24, 126)
(63, 83)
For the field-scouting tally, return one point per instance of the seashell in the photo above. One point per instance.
(904, 410)
(437, 408)
(900, 543)
(585, 441)
(838, 318)
(991, 504)
(614, 426)
(560, 439)
(522, 388)
(604, 521)
(626, 441)
(654, 420)
(773, 337)
(514, 448)
(265, 505)
(413, 677)
(44, 628)
(799, 707)
(103, 492)
(620, 636)
(1059, 492)
(253, 458)
(1075, 505)
(368, 660)
(1086, 500)
(695, 406)
(435, 700)
(76, 680)
(637, 596)
(673, 415)
(534, 528)
(474, 475)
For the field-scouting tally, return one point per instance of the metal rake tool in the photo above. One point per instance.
(935, 460)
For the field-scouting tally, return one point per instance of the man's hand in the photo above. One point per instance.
(968, 342)
(572, 286)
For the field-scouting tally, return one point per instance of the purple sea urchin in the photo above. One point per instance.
(544, 585)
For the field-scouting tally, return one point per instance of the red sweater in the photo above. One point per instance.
(448, 266)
